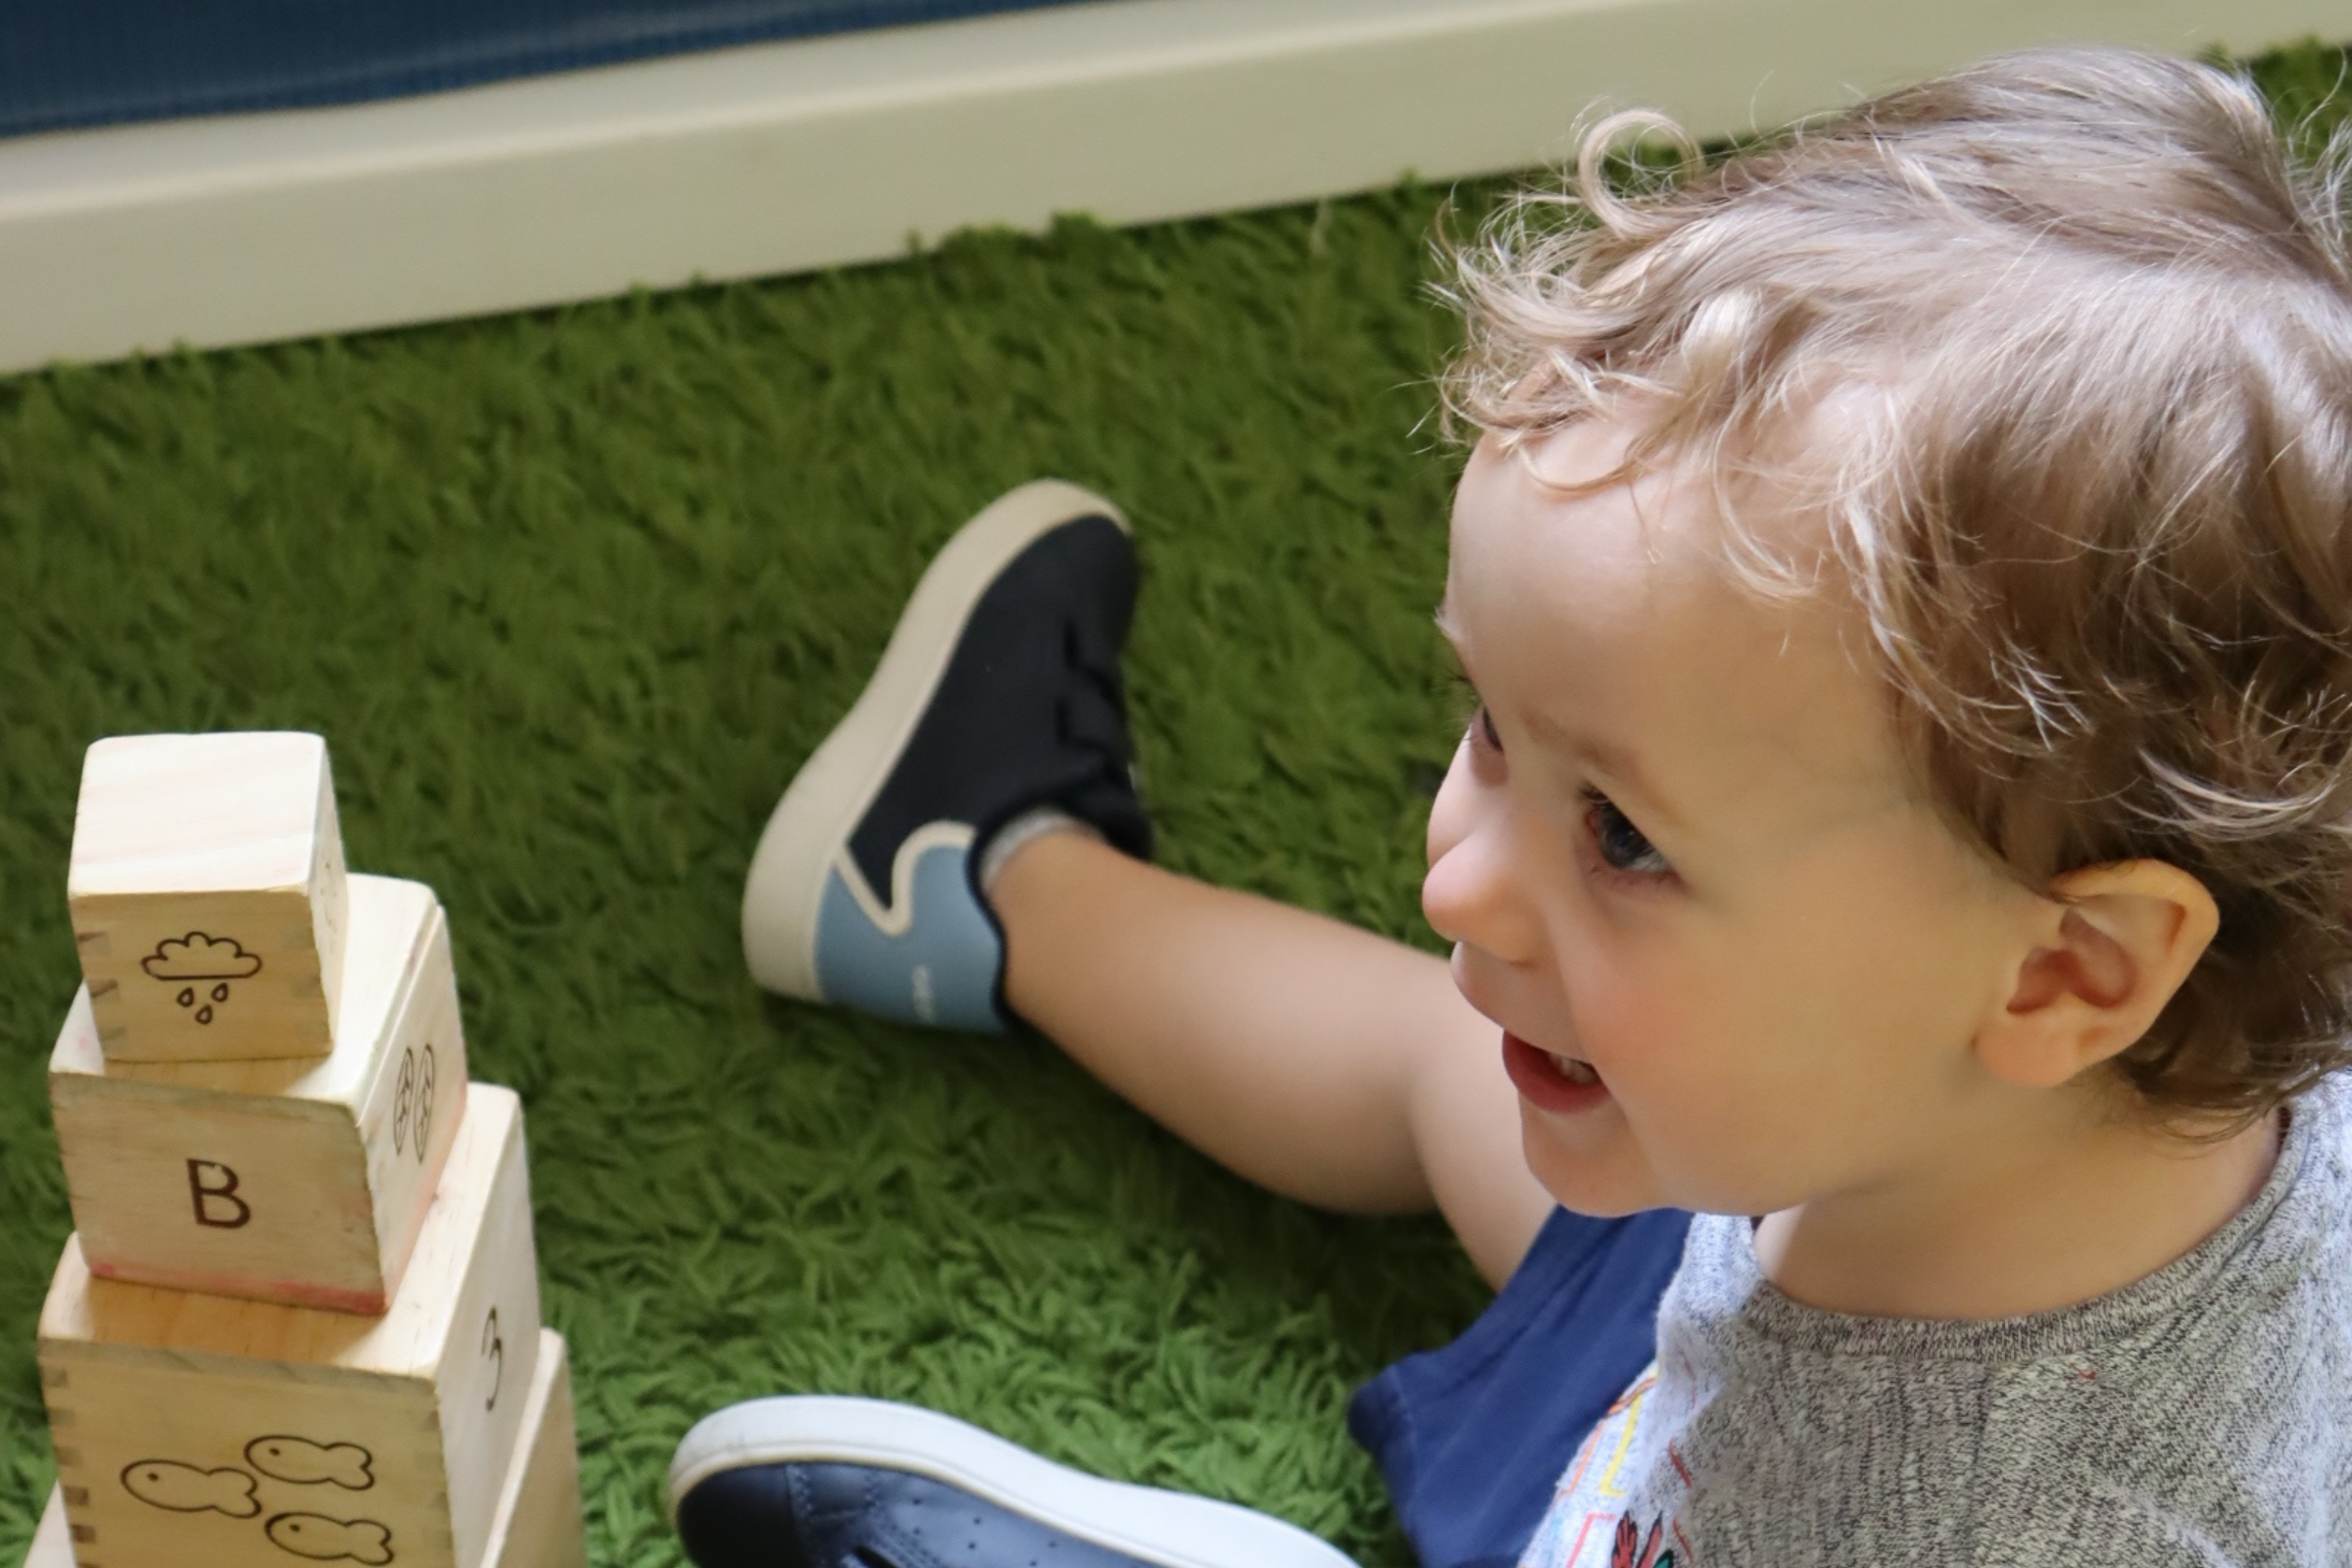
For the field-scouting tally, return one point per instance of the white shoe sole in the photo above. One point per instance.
(1167, 1528)
(822, 805)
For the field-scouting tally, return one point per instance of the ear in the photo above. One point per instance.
(2112, 945)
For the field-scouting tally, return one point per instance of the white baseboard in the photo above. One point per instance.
(783, 156)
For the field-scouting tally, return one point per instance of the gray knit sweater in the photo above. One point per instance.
(2201, 1416)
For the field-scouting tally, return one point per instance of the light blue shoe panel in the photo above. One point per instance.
(941, 971)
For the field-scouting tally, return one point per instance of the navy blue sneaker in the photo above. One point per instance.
(998, 695)
(816, 1482)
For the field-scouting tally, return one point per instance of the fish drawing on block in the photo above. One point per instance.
(323, 1540)
(191, 1488)
(303, 1463)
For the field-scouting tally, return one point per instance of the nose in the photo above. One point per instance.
(1472, 892)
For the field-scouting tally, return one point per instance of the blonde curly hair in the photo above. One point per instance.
(2092, 316)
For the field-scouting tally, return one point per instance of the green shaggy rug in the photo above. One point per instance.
(571, 594)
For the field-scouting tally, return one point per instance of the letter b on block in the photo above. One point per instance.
(212, 1190)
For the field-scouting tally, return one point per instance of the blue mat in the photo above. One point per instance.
(68, 63)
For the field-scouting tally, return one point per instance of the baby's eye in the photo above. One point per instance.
(1481, 723)
(1620, 844)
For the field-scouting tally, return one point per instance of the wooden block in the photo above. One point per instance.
(537, 1524)
(302, 1181)
(52, 1544)
(199, 1429)
(208, 895)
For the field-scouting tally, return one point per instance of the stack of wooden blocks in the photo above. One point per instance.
(299, 1317)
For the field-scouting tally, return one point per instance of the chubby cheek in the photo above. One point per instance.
(1633, 1025)
(1691, 1079)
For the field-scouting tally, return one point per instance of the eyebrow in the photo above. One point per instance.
(1617, 765)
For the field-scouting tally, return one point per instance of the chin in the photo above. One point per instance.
(1606, 1182)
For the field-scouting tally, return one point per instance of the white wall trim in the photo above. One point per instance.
(783, 156)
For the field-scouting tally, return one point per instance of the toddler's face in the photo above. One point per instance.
(1677, 844)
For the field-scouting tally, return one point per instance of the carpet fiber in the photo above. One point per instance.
(571, 594)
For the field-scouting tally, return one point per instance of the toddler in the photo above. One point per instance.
(1896, 872)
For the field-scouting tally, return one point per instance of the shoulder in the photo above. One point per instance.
(2202, 1416)
(2218, 1428)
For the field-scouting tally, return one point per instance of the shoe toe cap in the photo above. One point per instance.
(814, 1515)
(768, 1515)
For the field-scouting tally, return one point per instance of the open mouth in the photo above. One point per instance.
(1573, 1068)
(1551, 1080)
